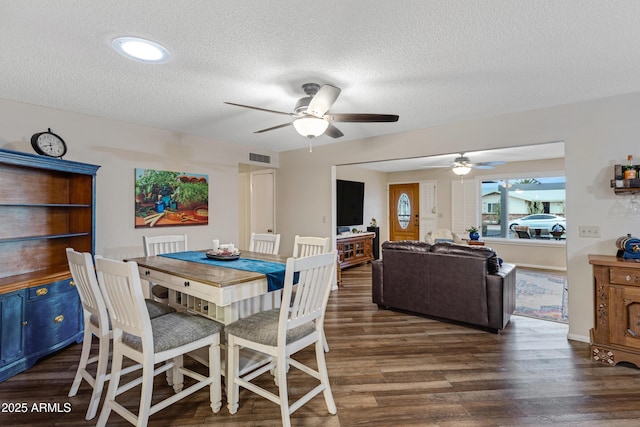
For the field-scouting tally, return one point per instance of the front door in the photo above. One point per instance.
(404, 212)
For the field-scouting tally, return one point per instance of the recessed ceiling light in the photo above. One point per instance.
(141, 50)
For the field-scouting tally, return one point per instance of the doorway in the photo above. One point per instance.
(256, 188)
(404, 211)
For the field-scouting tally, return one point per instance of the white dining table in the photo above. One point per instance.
(221, 293)
(218, 292)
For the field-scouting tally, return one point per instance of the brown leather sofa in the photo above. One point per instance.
(446, 280)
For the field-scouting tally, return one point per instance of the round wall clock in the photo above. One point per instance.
(48, 144)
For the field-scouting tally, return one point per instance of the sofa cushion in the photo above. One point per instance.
(444, 241)
(442, 233)
(493, 265)
(407, 245)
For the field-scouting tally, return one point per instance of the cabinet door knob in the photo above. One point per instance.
(58, 319)
(72, 283)
(42, 291)
(25, 323)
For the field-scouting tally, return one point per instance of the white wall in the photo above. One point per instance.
(597, 134)
(375, 193)
(119, 148)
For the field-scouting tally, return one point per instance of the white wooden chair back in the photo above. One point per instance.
(307, 246)
(304, 310)
(122, 290)
(308, 303)
(264, 243)
(158, 245)
(85, 280)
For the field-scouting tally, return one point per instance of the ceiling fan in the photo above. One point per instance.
(310, 115)
(462, 165)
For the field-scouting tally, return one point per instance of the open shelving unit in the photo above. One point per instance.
(46, 205)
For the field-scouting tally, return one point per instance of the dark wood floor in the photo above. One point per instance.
(392, 369)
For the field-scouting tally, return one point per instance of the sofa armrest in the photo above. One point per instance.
(376, 281)
(501, 295)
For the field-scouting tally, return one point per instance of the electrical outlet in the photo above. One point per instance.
(589, 230)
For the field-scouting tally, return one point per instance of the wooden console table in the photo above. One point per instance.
(615, 336)
(355, 249)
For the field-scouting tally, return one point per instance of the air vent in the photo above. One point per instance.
(259, 158)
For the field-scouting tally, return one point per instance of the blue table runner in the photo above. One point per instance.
(273, 270)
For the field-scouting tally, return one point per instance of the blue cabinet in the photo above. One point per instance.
(46, 206)
(12, 331)
(35, 322)
(52, 308)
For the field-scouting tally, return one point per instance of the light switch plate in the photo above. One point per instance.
(589, 230)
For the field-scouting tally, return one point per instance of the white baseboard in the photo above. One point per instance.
(580, 338)
(542, 267)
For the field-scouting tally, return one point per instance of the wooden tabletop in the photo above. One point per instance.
(613, 261)
(206, 273)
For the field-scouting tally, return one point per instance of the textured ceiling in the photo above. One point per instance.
(550, 150)
(430, 62)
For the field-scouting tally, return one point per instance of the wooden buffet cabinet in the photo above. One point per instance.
(46, 205)
(615, 336)
(355, 249)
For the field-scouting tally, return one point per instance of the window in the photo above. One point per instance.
(404, 210)
(524, 207)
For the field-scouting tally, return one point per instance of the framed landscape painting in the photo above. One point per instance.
(169, 199)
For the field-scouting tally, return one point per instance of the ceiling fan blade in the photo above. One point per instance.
(333, 131)
(487, 165)
(323, 100)
(361, 118)
(260, 109)
(274, 127)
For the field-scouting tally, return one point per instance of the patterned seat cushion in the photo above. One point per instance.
(155, 309)
(262, 328)
(174, 330)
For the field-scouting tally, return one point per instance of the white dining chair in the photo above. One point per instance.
(96, 323)
(264, 243)
(306, 246)
(162, 341)
(282, 332)
(158, 245)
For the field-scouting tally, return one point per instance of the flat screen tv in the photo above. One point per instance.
(350, 201)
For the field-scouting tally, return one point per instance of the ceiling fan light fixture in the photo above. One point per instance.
(310, 126)
(461, 169)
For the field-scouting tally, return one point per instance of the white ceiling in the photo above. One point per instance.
(430, 62)
(551, 150)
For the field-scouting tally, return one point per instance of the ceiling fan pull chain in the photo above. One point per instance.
(310, 146)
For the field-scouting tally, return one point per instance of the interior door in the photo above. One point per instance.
(404, 211)
(263, 201)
